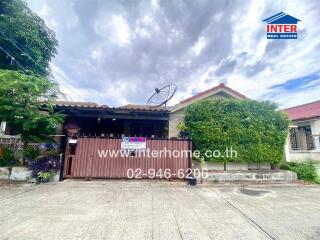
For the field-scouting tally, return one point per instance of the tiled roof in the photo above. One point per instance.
(93, 105)
(305, 111)
(144, 107)
(220, 86)
(77, 104)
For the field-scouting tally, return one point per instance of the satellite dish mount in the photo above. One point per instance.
(161, 96)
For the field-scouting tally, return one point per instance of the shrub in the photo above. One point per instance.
(256, 130)
(45, 166)
(31, 153)
(7, 158)
(305, 171)
(45, 176)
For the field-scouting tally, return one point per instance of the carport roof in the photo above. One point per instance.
(95, 106)
(143, 107)
(77, 104)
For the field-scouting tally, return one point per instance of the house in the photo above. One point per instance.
(91, 119)
(303, 141)
(176, 114)
(133, 119)
(89, 128)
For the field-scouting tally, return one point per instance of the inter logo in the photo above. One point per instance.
(282, 26)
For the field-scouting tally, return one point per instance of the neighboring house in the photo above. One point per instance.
(176, 114)
(303, 142)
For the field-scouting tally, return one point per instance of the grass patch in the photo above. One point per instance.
(305, 171)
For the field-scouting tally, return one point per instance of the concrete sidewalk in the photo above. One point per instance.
(158, 210)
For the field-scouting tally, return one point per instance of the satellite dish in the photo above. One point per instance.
(162, 95)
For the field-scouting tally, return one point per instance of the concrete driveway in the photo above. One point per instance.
(158, 210)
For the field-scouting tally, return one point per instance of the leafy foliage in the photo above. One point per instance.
(31, 153)
(45, 176)
(26, 101)
(7, 158)
(254, 129)
(47, 162)
(305, 171)
(25, 36)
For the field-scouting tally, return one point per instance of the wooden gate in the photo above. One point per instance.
(91, 158)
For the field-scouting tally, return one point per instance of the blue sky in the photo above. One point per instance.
(117, 52)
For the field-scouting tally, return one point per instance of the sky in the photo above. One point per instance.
(117, 52)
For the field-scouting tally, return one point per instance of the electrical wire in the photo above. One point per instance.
(14, 60)
(14, 44)
(21, 67)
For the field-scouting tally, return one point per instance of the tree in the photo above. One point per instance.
(26, 102)
(24, 35)
(255, 130)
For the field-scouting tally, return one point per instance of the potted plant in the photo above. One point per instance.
(45, 166)
(183, 131)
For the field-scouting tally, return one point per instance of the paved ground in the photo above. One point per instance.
(158, 210)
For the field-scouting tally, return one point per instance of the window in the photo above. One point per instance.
(301, 138)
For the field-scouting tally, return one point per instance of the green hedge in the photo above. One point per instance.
(256, 130)
(305, 171)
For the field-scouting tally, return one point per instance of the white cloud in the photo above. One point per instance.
(199, 45)
(118, 52)
(121, 28)
(96, 54)
(115, 28)
(155, 4)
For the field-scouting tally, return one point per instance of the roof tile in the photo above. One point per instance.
(220, 86)
(305, 111)
(143, 107)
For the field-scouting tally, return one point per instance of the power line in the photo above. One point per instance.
(25, 71)
(64, 85)
(14, 44)
(14, 60)
(5, 31)
(61, 84)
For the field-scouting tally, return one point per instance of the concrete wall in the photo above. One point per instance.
(300, 156)
(20, 173)
(2, 127)
(59, 131)
(174, 119)
(315, 129)
(231, 166)
(279, 176)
